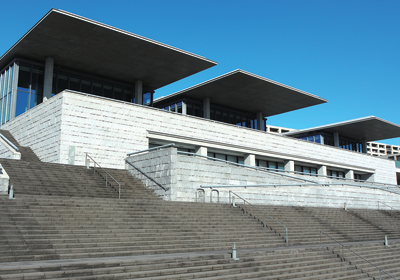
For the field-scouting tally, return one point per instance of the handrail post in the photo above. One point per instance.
(287, 238)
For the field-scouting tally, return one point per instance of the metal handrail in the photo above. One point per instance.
(9, 142)
(394, 209)
(286, 230)
(281, 172)
(299, 185)
(343, 246)
(107, 174)
(151, 149)
(147, 176)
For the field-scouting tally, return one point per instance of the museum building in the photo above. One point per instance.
(68, 88)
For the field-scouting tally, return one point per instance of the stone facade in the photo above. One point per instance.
(109, 129)
(183, 175)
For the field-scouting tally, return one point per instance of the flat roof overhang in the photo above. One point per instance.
(244, 91)
(98, 49)
(369, 128)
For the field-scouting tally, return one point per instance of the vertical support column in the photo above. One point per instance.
(364, 146)
(289, 165)
(250, 159)
(201, 151)
(260, 121)
(349, 174)
(48, 78)
(184, 108)
(322, 170)
(138, 92)
(336, 139)
(206, 108)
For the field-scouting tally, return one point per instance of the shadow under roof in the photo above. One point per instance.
(98, 49)
(244, 91)
(369, 128)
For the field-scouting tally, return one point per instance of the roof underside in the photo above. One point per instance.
(368, 128)
(243, 91)
(91, 47)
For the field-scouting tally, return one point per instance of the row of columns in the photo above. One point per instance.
(336, 142)
(250, 159)
(48, 83)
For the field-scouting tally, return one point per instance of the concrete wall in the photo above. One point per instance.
(40, 129)
(109, 129)
(6, 151)
(4, 181)
(184, 174)
(159, 165)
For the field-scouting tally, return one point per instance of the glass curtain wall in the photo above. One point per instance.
(30, 87)
(70, 80)
(6, 88)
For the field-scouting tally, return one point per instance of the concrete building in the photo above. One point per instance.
(69, 89)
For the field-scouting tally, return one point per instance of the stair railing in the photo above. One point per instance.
(106, 176)
(392, 208)
(345, 247)
(9, 142)
(259, 210)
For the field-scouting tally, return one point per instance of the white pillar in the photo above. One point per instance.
(289, 165)
(260, 121)
(336, 139)
(201, 150)
(349, 174)
(48, 78)
(184, 108)
(206, 108)
(138, 92)
(250, 159)
(322, 171)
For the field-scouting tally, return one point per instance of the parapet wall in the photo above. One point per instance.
(183, 175)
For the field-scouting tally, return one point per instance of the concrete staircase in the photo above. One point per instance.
(286, 264)
(386, 258)
(53, 179)
(305, 223)
(42, 227)
(27, 153)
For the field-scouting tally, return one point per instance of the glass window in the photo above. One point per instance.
(220, 156)
(62, 81)
(22, 102)
(75, 82)
(97, 87)
(118, 93)
(317, 139)
(271, 164)
(281, 166)
(262, 163)
(297, 168)
(306, 170)
(241, 160)
(172, 108)
(86, 85)
(128, 95)
(24, 77)
(179, 107)
(231, 158)
(108, 90)
(225, 117)
(147, 98)
(189, 109)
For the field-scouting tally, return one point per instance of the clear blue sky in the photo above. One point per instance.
(344, 51)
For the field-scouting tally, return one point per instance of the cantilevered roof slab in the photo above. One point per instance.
(92, 47)
(368, 128)
(244, 91)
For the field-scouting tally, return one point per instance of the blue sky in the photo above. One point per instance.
(344, 51)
